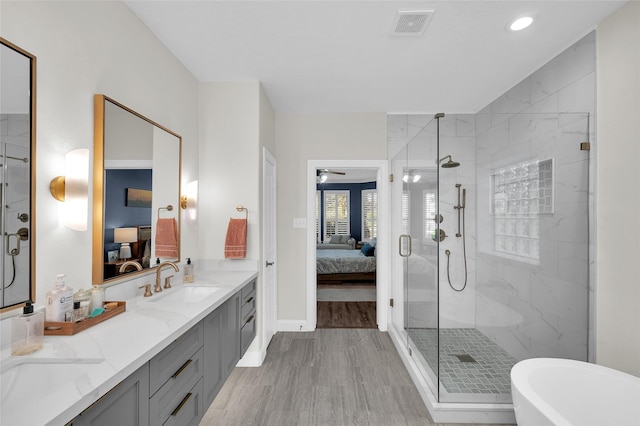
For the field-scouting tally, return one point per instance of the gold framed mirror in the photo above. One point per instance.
(136, 192)
(17, 175)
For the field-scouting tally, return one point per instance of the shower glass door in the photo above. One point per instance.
(415, 195)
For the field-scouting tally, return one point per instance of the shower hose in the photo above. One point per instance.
(464, 252)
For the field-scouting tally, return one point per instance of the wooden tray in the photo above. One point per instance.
(71, 328)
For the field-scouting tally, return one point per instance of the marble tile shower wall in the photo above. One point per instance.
(539, 307)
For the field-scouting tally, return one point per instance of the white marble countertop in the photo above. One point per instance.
(54, 385)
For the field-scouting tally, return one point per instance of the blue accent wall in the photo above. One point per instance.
(116, 212)
(355, 203)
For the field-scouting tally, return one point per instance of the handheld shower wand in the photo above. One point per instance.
(461, 208)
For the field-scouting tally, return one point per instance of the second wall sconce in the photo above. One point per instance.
(189, 200)
(72, 189)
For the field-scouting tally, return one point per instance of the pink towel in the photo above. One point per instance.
(167, 238)
(235, 245)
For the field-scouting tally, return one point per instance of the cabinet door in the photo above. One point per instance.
(125, 405)
(230, 335)
(213, 378)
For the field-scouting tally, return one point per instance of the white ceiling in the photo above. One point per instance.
(339, 56)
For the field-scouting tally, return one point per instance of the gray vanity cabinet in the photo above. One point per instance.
(175, 377)
(221, 346)
(177, 385)
(213, 377)
(230, 345)
(248, 316)
(127, 404)
(227, 333)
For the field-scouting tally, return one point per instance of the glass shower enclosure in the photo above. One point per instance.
(491, 217)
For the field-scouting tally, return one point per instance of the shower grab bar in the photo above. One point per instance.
(403, 237)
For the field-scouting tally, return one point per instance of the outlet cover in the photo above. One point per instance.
(299, 222)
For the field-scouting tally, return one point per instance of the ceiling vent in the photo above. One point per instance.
(411, 22)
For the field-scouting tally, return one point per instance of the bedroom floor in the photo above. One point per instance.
(346, 306)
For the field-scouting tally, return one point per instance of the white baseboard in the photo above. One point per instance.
(294, 325)
(252, 359)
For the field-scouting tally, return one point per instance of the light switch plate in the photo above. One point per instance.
(299, 222)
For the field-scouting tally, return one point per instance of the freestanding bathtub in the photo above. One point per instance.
(551, 391)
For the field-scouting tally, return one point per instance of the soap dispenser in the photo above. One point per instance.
(27, 331)
(187, 277)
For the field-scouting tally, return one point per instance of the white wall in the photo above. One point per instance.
(84, 48)
(618, 202)
(229, 163)
(302, 137)
(236, 121)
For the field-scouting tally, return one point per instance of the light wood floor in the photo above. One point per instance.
(326, 377)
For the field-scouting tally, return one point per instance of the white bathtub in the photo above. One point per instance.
(551, 391)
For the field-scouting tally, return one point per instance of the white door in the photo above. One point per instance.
(269, 246)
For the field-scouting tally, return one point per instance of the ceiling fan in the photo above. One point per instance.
(322, 174)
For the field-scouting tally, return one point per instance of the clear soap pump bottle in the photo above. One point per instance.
(187, 277)
(27, 331)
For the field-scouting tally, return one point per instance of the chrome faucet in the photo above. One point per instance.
(158, 287)
(130, 263)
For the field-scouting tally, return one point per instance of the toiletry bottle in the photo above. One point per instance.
(97, 297)
(187, 277)
(27, 331)
(59, 301)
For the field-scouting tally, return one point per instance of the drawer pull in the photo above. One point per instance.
(181, 369)
(249, 320)
(249, 300)
(179, 407)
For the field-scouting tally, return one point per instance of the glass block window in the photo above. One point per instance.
(520, 194)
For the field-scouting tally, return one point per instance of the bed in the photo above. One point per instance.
(345, 267)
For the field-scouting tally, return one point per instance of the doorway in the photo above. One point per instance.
(339, 191)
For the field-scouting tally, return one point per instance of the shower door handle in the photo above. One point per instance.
(407, 243)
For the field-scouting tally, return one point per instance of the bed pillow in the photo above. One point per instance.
(373, 242)
(367, 250)
(335, 239)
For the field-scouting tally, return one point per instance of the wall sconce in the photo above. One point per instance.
(73, 189)
(125, 236)
(189, 200)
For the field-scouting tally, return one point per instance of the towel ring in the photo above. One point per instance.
(169, 208)
(240, 207)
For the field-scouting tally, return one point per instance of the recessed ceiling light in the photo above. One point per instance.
(520, 23)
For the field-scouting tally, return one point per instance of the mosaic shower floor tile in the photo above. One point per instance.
(469, 361)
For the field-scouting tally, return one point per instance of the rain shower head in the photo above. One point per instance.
(449, 164)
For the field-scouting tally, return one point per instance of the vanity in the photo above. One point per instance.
(162, 362)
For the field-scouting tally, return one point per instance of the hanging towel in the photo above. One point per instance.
(167, 238)
(235, 245)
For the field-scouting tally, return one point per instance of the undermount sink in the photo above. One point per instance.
(38, 377)
(186, 294)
